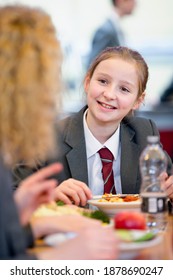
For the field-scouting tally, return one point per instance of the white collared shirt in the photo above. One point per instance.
(95, 180)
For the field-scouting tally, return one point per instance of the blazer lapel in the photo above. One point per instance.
(76, 157)
(78, 163)
(129, 160)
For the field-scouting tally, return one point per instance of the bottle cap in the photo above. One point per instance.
(153, 139)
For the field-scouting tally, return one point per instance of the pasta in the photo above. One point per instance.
(119, 198)
(52, 209)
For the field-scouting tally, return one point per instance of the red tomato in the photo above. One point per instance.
(129, 220)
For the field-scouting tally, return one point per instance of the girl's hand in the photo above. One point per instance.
(73, 191)
(35, 190)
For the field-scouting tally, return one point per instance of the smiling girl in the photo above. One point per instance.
(113, 90)
(115, 87)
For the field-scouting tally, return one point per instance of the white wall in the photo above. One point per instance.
(149, 30)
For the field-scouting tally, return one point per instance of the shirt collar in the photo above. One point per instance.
(93, 145)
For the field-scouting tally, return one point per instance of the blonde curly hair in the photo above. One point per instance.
(30, 60)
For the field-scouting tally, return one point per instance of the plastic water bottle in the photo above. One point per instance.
(153, 162)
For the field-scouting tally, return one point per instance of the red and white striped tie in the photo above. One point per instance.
(107, 171)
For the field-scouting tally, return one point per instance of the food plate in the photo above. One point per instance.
(128, 250)
(58, 238)
(52, 209)
(111, 208)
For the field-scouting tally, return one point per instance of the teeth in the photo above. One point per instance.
(107, 106)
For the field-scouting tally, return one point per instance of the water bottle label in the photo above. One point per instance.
(154, 204)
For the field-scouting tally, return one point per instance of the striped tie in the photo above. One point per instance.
(107, 171)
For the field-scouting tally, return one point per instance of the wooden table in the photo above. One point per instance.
(161, 251)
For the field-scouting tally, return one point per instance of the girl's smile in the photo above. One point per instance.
(112, 92)
(106, 106)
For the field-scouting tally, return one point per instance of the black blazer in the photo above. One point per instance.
(133, 134)
(72, 150)
(13, 241)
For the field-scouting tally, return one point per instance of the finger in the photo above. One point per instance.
(64, 192)
(41, 188)
(44, 173)
(70, 190)
(58, 195)
(169, 190)
(44, 198)
(75, 198)
(76, 194)
(168, 182)
(82, 197)
(84, 187)
(78, 191)
(163, 176)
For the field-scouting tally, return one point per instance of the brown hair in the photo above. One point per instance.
(127, 55)
(30, 59)
(113, 2)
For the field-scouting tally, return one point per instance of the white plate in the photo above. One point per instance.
(57, 238)
(131, 250)
(128, 250)
(111, 208)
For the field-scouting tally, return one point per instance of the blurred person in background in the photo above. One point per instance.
(110, 34)
(30, 61)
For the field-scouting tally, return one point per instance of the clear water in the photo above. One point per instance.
(157, 221)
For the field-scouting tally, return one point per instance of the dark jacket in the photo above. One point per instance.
(72, 150)
(13, 238)
(105, 36)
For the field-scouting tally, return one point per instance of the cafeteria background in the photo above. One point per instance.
(149, 30)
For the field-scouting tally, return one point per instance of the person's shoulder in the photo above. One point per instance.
(106, 26)
(136, 120)
(138, 128)
(139, 123)
(70, 120)
(63, 124)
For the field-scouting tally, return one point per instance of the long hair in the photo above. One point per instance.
(30, 78)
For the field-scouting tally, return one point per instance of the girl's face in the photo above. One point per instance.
(112, 92)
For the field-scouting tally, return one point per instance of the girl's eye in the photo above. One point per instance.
(124, 89)
(103, 81)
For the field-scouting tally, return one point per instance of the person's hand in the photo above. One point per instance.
(94, 243)
(42, 226)
(35, 190)
(168, 184)
(73, 191)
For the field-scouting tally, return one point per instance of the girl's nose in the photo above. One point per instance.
(110, 93)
